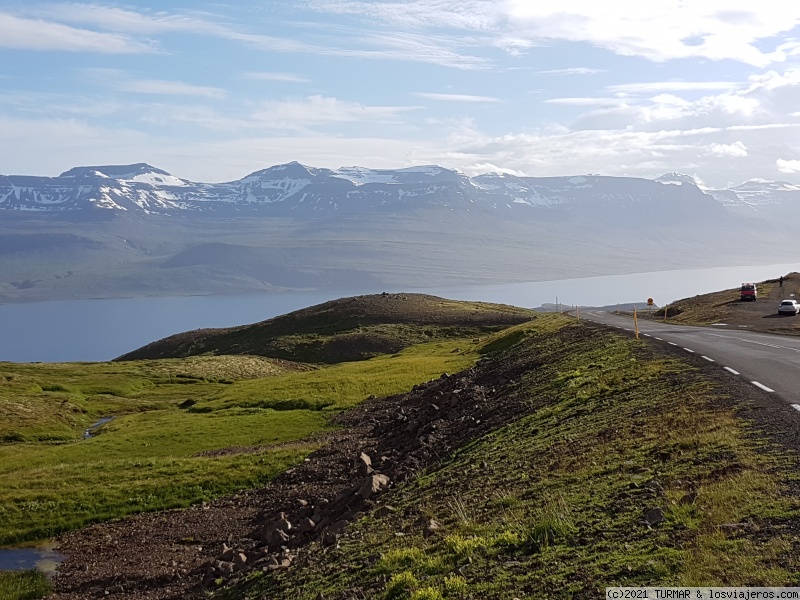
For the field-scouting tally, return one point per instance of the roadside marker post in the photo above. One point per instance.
(636, 322)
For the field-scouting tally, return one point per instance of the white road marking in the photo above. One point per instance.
(659, 339)
(689, 350)
(796, 406)
(762, 386)
(734, 337)
(729, 370)
(707, 358)
(647, 335)
(672, 343)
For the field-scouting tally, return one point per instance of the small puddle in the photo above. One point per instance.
(40, 556)
(92, 428)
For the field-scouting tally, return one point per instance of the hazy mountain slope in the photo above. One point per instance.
(126, 230)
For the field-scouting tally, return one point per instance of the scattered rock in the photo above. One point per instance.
(654, 516)
(374, 484)
(364, 464)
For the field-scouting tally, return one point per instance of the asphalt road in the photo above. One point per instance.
(770, 362)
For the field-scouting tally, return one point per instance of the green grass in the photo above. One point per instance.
(23, 585)
(552, 505)
(167, 412)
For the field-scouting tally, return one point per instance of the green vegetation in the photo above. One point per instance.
(23, 585)
(167, 412)
(348, 329)
(630, 469)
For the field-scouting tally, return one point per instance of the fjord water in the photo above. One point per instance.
(96, 330)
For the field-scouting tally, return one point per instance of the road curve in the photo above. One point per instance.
(767, 361)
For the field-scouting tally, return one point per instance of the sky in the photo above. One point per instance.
(212, 91)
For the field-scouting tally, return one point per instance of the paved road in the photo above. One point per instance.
(771, 362)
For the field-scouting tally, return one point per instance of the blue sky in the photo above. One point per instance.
(214, 91)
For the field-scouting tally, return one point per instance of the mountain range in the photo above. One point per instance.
(294, 189)
(136, 229)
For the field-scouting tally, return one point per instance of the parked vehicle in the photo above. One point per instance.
(789, 307)
(748, 292)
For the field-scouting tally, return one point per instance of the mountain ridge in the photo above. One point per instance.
(294, 188)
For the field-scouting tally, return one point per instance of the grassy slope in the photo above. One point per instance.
(344, 330)
(168, 411)
(553, 505)
(145, 458)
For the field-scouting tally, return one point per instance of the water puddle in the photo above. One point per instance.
(40, 556)
(90, 431)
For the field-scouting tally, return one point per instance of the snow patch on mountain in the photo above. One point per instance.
(676, 179)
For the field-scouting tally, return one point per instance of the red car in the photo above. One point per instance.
(748, 292)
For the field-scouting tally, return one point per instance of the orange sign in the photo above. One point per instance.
(649, 302)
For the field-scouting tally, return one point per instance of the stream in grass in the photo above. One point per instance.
(98, 330)
(90, 431)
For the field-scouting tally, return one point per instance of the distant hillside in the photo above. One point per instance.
(343, 330)
(725, 308)
(132, 230)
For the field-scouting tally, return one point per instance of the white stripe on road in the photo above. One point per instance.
(689, 350)
(659, 339)
(796, 406)
(729, 370)
(672, 343)
(708, 359)
(647, 335)
(762, 386)
(733, 337)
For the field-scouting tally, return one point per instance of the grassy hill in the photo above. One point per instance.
(527, 456)
(344, 330)
(608, 462)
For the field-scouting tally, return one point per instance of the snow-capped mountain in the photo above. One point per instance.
(294, 189)
(676, 179)
(760, 198)
(300, 227)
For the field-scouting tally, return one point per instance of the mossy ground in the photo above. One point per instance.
(167, 412)
(554, 505)
(23, 585)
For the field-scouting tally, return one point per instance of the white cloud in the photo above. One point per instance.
(118, 80)
(788, 166)
(585, 101)
(169, 88)
(33, 34)
(572, 71)
(456, 97)
(271, 76)
(472, 15)
(670, 29)
(734, 150)
(304, 113)
(117, 19)
(656, 87)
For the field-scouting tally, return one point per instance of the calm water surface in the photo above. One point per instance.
(92, 330)
(42, 556)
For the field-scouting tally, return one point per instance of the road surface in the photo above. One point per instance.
(767, 361)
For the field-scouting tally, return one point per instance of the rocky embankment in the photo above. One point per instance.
(383, 442)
